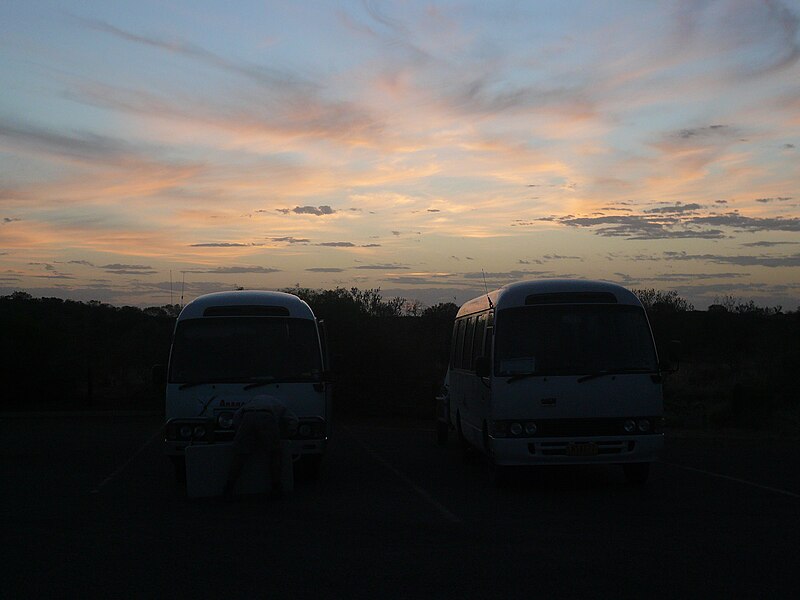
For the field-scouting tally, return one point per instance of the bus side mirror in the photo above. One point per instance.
(673, 357)
(159, 374)
(482, 366)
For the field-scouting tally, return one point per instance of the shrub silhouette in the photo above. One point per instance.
(390, 356)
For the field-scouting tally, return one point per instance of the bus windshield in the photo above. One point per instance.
(245, 349)
(563, 339)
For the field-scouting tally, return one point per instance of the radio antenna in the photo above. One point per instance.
(170, 287)
(183, 285)
(486, 289)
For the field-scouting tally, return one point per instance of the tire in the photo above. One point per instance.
(502, 475)
(442, 433)
(636, 473)
(308, 467)
(179, 464)
(467, 451)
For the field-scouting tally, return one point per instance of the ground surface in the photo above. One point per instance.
(89, 507)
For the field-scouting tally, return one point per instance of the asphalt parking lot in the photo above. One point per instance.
(90, 507)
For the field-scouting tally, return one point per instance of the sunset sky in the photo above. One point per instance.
(409, 146)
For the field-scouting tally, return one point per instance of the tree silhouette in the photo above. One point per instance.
(389, 355)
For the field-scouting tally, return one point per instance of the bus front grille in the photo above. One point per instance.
(560, 448)
(579, 427)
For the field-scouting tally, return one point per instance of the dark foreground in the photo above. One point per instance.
(90, 508)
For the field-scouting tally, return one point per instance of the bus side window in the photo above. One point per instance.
(466, 356)
(458, 347)
(453, 345)
(487, 340)
(477, 345)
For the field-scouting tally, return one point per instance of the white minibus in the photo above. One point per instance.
(556, 372)
(230, 346)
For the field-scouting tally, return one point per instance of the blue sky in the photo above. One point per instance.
(402, 145)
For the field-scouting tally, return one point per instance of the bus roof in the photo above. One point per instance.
(247, 303)
(551, 291)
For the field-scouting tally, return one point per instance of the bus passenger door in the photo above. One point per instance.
(480, 390)
(457, 388)
(470, 400)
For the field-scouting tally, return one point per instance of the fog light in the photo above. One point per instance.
(530, 428)
(630, 425)
(304, 430)
(644, 425)
(225, 421)
(186, 431)
(199, 431)
(515, 429)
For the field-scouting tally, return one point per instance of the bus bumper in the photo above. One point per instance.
(298, 447)
(575, 451)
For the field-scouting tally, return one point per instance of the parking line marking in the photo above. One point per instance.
(443, 511)
(736, 479)
(124, 465)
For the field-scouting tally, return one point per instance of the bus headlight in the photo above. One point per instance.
(312, 429)
(644, 425)
(629, 426)
(512, 429)
(188, 430)
(225, 421)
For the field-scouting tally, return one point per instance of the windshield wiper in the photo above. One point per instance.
(189, 384)
(259, 381)
(605, 372)
(519, 376)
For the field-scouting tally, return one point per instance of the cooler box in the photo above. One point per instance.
(207, 468)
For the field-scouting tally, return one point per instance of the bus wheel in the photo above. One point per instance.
(501, 475)
(308, 467)
(179, 464)
(441, 433)
(636, 473)
(467, 451)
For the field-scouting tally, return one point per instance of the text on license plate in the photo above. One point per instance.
(582, 449)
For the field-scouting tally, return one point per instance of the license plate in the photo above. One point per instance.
(582, 449)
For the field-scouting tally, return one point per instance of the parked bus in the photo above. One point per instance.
(231, 346)
(556, 372)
